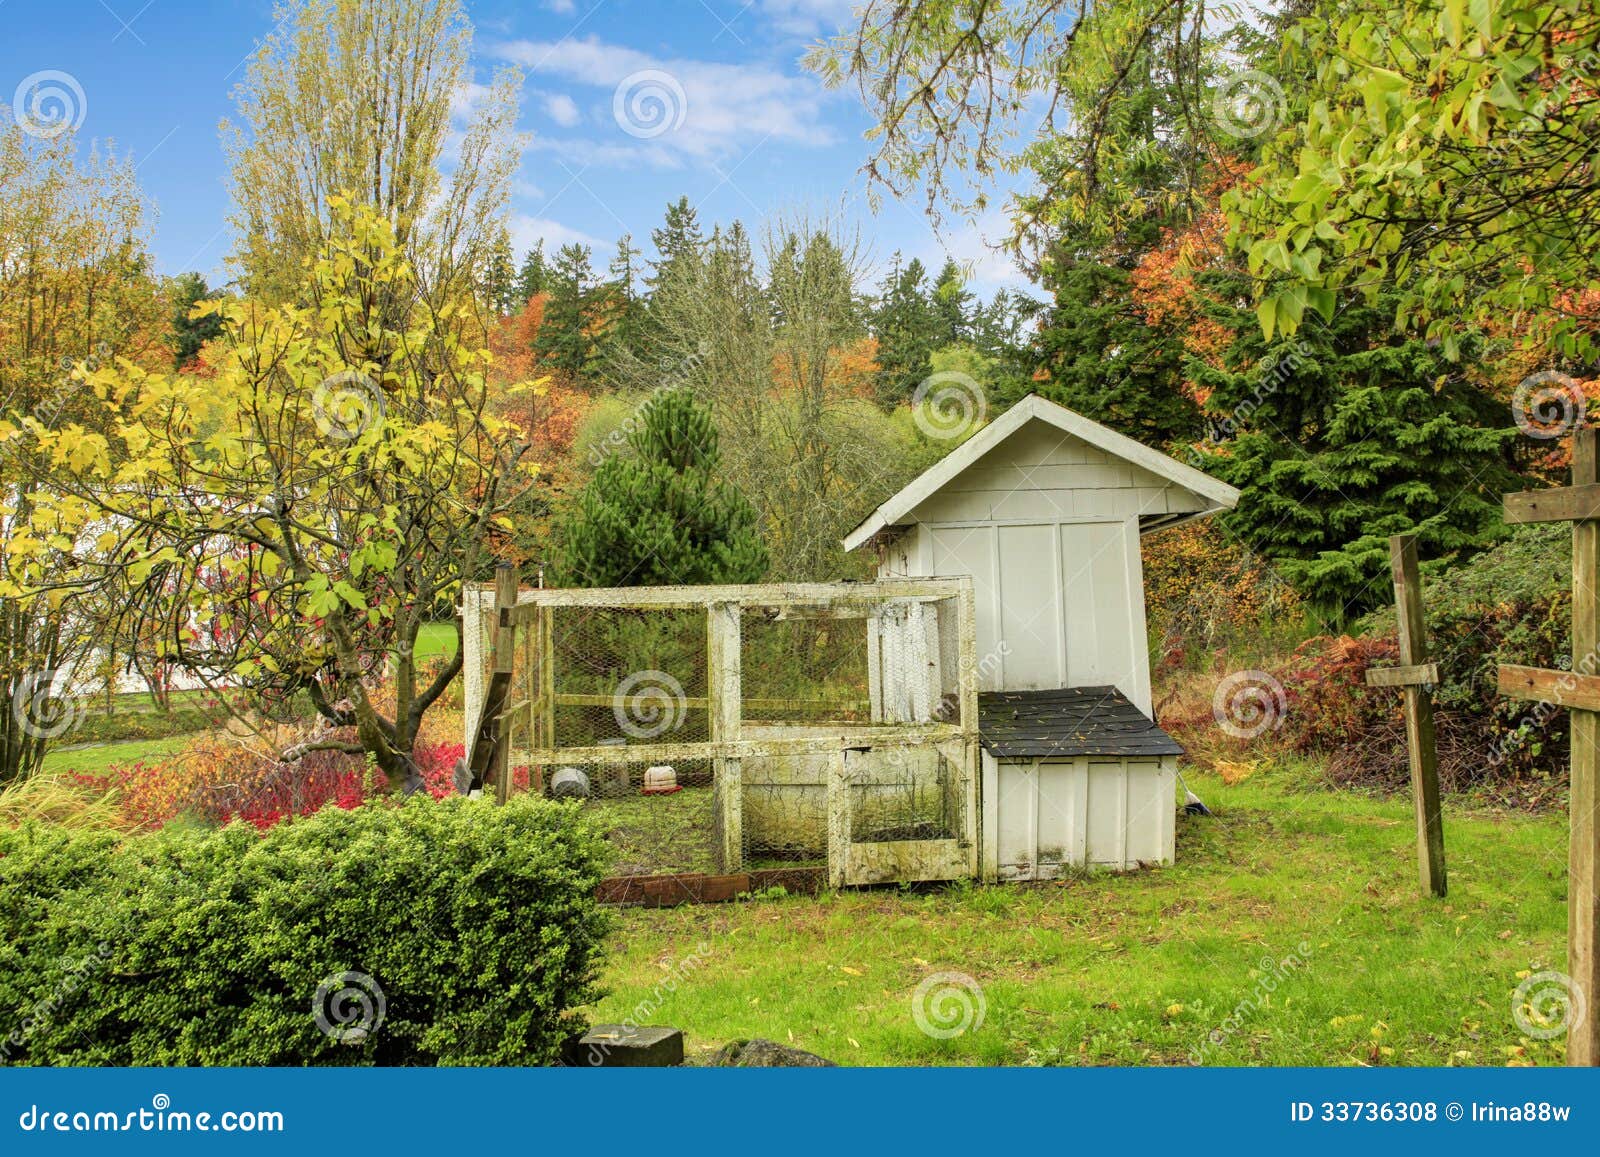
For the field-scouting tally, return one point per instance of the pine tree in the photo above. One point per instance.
(1107, 363)
(952, 305)
(1346, 434)
(618, 309)
(662, 515)
(907, 328)
(566, 341)
(190, 333)
(678, 243)
(534, 276)
(499, 288)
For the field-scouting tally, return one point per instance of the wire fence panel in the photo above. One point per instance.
(725, 729)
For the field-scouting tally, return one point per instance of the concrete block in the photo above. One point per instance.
(619, 1046)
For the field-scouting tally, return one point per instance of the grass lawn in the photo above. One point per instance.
(98, 757)
(1143, 968)
(435, 640)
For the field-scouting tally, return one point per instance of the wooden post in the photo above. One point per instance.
(1583, 910)
(505, 663)
(724, 686)
(1415, 675)
(1579, 691)
(487, 732)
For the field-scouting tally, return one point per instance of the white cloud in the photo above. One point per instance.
(527, 231)
(561, 7)
(562, 109)
(809, 17)
(703, 110)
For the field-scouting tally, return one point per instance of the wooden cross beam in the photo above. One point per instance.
(1578, 691)
(1417, 675)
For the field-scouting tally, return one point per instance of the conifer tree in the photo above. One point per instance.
(1345, 434)
(662, 515)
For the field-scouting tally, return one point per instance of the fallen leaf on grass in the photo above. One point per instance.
(1233, 773)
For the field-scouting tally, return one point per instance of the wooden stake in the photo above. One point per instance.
(1583, 921)
(505, 662)
(1579, 691)
(1414, 676)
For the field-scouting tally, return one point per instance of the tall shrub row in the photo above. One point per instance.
(433, 932)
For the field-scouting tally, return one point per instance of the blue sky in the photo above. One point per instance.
(747, 132)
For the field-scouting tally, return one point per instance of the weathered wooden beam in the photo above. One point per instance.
(1576, 503)
(666, 891)
(854, 706)
(505, 663)
(856, 600)
(1583, 875)
(725, 682)
(1417, 675)
(899, 735)
(1421, 743)
(1561, 688)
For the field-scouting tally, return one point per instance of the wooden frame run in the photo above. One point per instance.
(728, 745)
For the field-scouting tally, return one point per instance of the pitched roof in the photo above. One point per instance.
(932, 480)
(1068, 722)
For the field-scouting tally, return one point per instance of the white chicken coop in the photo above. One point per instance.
(1045, 510)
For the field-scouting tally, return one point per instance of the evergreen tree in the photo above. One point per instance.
(1346, 434)
(189, 334)
(907, 329)
(566, 340)
(534, 276)
(1107, 363)
(662, 515)
(952, 305)
(618, 308)
(679, 243)
(500, 280)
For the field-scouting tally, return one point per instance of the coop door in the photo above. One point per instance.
(898, 815)
(903, 672)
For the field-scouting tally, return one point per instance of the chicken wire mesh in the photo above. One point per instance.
(756, 732)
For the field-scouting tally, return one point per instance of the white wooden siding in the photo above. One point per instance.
(1047, 525)
(1040, 816)
(1041, 473)
(1059, 604)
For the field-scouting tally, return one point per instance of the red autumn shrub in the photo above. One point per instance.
(215, 779)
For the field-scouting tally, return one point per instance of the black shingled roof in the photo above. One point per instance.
(1068, 722)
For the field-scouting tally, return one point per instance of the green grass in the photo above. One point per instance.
(123, 736)
(1141, 968)
(102, 755)
(659, 833)
(435, 640)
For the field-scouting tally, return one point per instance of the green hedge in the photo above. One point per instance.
(472, 928)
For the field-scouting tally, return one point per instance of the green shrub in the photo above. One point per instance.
(1511, 604)
(473, 929)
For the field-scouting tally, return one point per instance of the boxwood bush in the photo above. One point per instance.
(434, 932)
